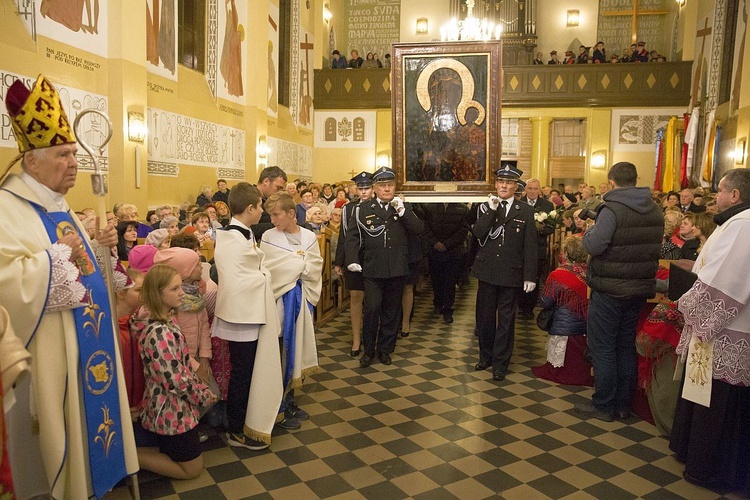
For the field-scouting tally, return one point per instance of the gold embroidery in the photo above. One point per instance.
(93, 311)
(99, 372)
(107, 435)
(699, 364)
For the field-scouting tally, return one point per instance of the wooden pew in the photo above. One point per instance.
(207, 250)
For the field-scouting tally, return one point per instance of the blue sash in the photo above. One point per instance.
(292, 304)
(97, 363)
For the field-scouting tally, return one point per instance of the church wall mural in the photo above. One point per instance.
(740, 56)
(295, 159)
(635, 129)
(232, 48)
(161, 38)
(372, 26)
(78, 23)
(345, 129)
(175, 139)
(273, 60)
(74, 101)
(306, 83)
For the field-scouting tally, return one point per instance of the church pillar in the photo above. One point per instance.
(128, 92)
(540, 148)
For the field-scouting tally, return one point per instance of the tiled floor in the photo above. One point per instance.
(429, 426)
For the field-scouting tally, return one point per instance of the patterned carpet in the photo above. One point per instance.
(429, 426)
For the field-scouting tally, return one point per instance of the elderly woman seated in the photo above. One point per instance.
(671, 243)
(314, 217)
(656, 343)
(566, 297)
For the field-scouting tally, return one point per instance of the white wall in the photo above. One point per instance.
(436, 12)
(552, 34)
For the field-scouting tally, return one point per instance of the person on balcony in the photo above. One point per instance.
(338, 61)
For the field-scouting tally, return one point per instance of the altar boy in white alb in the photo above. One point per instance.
(296, 265)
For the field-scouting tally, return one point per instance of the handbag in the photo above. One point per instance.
(544, 319)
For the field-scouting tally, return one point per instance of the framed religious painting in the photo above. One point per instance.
(446, 104)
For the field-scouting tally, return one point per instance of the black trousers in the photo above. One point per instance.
(445, 272)
(382, 314)
(527, 301)
(242, 360)
(496, 314)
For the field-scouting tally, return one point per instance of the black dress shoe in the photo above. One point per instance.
(622, 414)
(356, 352)
(404, 334)
(365, 361)
(448, 318)
(498, 375)
(384, 358)
(588, 410)
(481, 366)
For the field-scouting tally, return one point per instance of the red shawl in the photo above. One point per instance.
(567, 287)
(660, 334)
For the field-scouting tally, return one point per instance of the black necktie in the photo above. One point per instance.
(385, 205)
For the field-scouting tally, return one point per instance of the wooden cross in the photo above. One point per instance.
(702, 33)
(306, 46)
(635, 12)
(353, 172)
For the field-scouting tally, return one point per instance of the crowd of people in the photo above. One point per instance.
(636, 53)
(191, 349)
(372, 60)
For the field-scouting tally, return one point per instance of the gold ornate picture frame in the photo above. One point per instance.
(446, 104)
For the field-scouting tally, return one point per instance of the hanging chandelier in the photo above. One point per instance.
(470, 28)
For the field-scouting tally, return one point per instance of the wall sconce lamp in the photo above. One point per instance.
(327, 14)
(262, 151)
(573, 18)
(137, 133)
(422, 26)
(599, 159)
(136, 127)
(740, 152)
(382, 160)
(680, 3)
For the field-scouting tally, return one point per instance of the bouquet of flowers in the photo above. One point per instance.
(548, 219)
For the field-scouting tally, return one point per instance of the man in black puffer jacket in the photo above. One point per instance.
(624, 246)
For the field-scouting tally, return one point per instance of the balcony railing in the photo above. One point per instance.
(598, 85)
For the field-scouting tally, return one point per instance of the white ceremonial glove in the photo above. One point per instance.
(355, 268)
(398, 204)
(528, 286)
(494, 202)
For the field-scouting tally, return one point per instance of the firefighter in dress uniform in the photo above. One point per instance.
(505, 265)
(380, 231)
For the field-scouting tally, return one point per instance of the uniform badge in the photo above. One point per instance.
(300, 252)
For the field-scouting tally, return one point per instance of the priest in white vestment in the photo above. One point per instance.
(50, 285)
